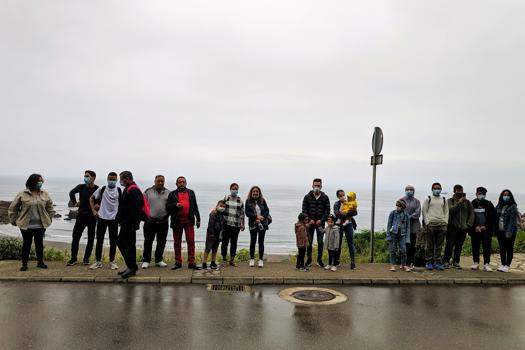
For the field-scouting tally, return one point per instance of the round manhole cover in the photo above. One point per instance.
(312, 296)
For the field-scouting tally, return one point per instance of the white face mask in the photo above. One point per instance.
(221, 209)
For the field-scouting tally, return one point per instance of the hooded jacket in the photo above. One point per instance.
(461, 215)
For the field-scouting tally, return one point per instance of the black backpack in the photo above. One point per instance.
(98, 201)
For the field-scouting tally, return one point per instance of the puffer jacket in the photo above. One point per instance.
(316, 209)
(19, 211)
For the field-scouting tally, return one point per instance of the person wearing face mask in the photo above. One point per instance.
(259, 220)
(460, 221)
(507, 227)
(157, 225)
(346, 230)
(413, 209)
(435, 220)
(184, 212)
(214, 235)
(398, 235)
(234, 216)
(104, 205)
(85, 217)
(483, 229)
(32, 211)
(316, 206)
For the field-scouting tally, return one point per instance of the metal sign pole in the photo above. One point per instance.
(373, 213)
(377, 158)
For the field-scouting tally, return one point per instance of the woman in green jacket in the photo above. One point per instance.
(32, 211)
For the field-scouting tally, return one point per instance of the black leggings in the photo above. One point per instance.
(332, 257)
(253, 240)
(300, 257)
(28, 235)
(229, 235)
(411, 248)
(506, 248)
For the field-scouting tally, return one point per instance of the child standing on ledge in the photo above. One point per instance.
(301, 237)
(398, 235)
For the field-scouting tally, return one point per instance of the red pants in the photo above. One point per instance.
(190, 240)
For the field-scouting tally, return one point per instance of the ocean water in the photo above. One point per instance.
(284, 202)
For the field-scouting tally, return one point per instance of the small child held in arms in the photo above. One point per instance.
(398, 235)
(301, 237)
(348, 206)
(213, 234)
(332, 233)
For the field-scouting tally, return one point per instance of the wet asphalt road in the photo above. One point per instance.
(115, 316)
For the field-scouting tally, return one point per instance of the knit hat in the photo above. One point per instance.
(481, 190)
(401, 204)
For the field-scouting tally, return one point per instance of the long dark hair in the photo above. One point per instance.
(260, 199)
(32, 180)
(502, 203)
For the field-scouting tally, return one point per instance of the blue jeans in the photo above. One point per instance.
(348, 232)
(395, 242)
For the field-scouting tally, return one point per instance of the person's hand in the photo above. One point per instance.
(97, 207)
(318, 222)
(257, 221)
(214, 211)
(482, 228)
(461, 200)
(260, 218)
(77, 204)
(478, 229)
(95, 213)
(179, 205)
(242, 227)
(198, 224)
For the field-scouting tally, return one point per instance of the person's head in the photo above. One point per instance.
(181, 183)
(458, 190)
(234, 189)
(34, 182)
(481, 193)
(221, 206)
(159, 182)
(126, 178)
(410, 190)
(506, 198)
(112, 179)
(317, 185)
(400, 206)
(89, 177)
(302, 217)
(330, 220)
(341, 195)
(436, 189)
(351, 196)
(255, 193)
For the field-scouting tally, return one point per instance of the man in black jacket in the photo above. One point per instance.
(85, 217)
(483, 228)
(316, 205)
(184, 212)
(129, 216)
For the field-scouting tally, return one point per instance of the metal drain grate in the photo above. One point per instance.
(228, 288)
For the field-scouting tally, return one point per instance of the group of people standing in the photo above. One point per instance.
(447, 222)
(120, 212)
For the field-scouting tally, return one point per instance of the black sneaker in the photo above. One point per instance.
(213, 265)
(176, 266)
(23, 268)
(71, 263)
(193, 267)
(85, 262)
(446, 265)
(308, 263)
(41, 265)
(352, 266)
(204, 266)
(320, 264)
(457, 266)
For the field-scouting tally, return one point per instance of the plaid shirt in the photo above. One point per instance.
(234, 213)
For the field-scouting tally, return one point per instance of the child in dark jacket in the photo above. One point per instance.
(301, 237)
(213, 234)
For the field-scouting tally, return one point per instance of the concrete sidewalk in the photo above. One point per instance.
(276, 273)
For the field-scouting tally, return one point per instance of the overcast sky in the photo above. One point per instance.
(266, 91)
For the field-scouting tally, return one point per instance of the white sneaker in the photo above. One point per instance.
(161, 264)
(261, 263)
(328, 267)
(252, 262)
(96, 265)
(145, 265)
(505, 268)
(475, 266)
(500, 268)
(333, 268)
(487, 268)
(113, 266)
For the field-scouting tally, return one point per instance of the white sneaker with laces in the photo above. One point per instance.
(487, 268)
(327, 267)
(475, 266)
(505, 268)
(252, 262)
(161, 264)
(333, 268)
(96, 265)
(145, 265)
(500, 268)
(261, 263)
(113, 266)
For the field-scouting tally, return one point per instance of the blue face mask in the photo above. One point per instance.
(317, 189)
(506, 198)
(436, 192)
(409, 193)
(234, 193)
(87, 180)
(481, 197)
(112, 183)
(39, 185)
(122, 183)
